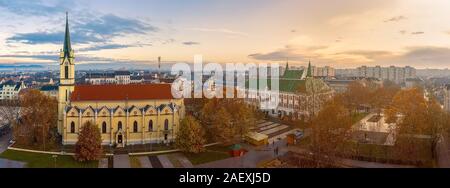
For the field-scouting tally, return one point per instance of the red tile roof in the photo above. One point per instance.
(121, 92)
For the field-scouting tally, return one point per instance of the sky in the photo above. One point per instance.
(341, 33)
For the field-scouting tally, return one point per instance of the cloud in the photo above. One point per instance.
(402, 32)
(35, 7)
(220, 30)
(417, 56)
(280, 55)
(96, 30)
(417, 33)
(396, 19)
(111, 47)
(190, 43)
(369, 54)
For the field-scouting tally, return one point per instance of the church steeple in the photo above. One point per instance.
(309, 73)
(67, 46)
(287, 64)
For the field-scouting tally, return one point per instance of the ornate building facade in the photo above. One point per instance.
(300, 95)
(125, 114)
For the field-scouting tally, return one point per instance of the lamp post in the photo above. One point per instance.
(54, 159)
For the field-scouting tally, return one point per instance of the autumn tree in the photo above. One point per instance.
(417, 119)
(357, 94)
(227, 120)
(89, 144)
(191, 136)
(37, 126)
(382, 97)
(330, 132)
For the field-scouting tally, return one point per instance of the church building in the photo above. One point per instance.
(125, 114)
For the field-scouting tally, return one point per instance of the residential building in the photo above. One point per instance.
(10, 89)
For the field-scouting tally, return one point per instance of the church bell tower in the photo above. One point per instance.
(66, 76)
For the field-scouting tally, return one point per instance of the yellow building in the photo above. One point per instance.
(125, 114)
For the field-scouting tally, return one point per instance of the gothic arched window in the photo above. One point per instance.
(104, 127)
(135, 126)
(72, 127)
(150, 126)
(66, 72)
(166, 124)
(119, 125)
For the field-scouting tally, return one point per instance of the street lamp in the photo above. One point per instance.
(54, 159)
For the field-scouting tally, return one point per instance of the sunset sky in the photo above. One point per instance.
(341, 33)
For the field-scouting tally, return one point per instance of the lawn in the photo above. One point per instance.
(35, 160)
(212, 153)
(356, 117)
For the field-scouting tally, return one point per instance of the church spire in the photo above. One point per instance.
(287, 63)
(309, 73)
(67, 47)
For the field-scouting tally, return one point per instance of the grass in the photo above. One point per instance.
(135, 163)
(212, 153)
(36, 160)
(356, 117)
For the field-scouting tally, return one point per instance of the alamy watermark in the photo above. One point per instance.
(249, 81)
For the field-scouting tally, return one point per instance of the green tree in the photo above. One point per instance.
(89, 144)
(191, 137)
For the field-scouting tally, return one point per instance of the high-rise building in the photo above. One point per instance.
(392, 73)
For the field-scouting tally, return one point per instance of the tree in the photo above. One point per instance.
(221, 128)
(416, 117)
(357, 94)
(38, 120)
(89, 144)
(227, 120)
(330, 132)
(382, 97)
(190, 137)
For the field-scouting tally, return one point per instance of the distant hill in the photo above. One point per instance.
(19, 66)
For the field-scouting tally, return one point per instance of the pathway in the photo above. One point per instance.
(145, 162)
(4, 163)
(250, 159)
(122, 161)
(165, 161)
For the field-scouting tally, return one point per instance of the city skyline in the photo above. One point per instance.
(347, 34)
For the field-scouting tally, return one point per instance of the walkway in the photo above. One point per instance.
(4, 163)
(122, 161)
(250, 159)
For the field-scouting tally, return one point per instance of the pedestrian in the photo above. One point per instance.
(276, 151)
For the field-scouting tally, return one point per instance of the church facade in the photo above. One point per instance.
(125, 114)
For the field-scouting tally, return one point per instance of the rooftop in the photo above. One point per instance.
(121, 92)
